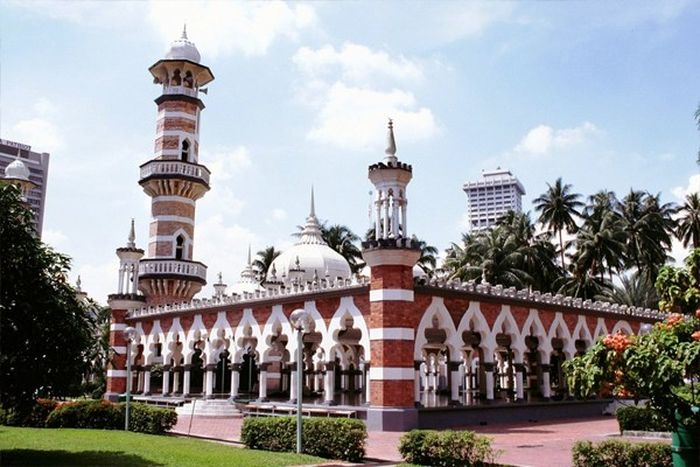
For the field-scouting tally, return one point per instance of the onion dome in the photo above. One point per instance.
(17, 170)
(248, 283)
(183, 49)
(310, 258)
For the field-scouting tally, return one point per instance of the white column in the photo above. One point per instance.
(235, 378)
(120, 289)
(416, 382)
(344, 379)
(404, 223)
(385, 232)
(394, 218)
(166, 382)
(330, 382)
(488, 372)
(546, 386)
(262, 384)
(519, 381)
(367, 386)
(378, 220)
(453, 368)
(293, 382)
(176, 382)
(209, 375)
(186, 381)
(134, 277)
(147, 381)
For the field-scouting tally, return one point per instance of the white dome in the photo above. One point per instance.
(310, 259)
(183, 49)
(17, 170)
(248, 283)
(418, 272)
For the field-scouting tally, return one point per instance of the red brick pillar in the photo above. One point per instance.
(116, 367)
(391, 375)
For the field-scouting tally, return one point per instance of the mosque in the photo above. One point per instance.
(400, 350)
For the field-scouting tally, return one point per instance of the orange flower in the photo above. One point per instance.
(673, 319)
(697, 313)
(696, 335)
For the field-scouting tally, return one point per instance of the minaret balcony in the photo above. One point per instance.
(173, 269)
(181, 90)
(160, 169)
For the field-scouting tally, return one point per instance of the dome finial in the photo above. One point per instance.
(249, 260)
(312, 212)
(131, 243)
(184, 31)
(390, 150)
(78, 284)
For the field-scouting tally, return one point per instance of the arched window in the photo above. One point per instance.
(179, 247)
(177, 79)
(188, 81)
(185, 153)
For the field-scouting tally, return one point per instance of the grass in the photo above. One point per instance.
(70, 447)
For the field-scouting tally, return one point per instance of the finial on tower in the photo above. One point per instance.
(312, 212)
(78, 284)
(221, 278)
(184, 31)
(390, 150)
(131, 243)
(249, 260)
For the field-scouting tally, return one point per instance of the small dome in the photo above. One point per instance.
(17, 170)
(418, 272)
(248, 283)
(311, 259)
(183, 49)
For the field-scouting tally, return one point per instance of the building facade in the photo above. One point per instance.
(37, 165)
(491, 197)
(394, 348)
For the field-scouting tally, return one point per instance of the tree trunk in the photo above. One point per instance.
(561, 251)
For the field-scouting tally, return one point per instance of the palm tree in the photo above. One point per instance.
(263, 261)
(557, 208)
(634, 290)
(688, 230)
(344, 241)
(600, 245)
(428, 256)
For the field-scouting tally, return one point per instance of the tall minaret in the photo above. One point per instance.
(391, 257)
(174, 179)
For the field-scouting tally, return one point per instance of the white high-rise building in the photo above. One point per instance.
(492, 196)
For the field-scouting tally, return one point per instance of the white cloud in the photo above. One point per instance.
(225, 162)
(44, 107)
(279, 214)
(681, 192)
(40, 133)
(224, 248)
(55, 238)
(354, 63)
(220, 28)
(355, 118)
(543, 139)
(101, 14)
(468, 19)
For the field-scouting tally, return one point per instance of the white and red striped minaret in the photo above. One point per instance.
(391, 257)
(174, 179)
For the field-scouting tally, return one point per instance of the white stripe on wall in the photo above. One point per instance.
(391, 373)
(399, 295)
(400, 334)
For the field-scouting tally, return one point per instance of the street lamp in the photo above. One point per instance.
(299, 319)
(129, 334)
(645, 329)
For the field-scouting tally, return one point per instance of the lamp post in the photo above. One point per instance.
(129, 334)
(299, 318)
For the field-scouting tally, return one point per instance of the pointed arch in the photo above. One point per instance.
(600, 329)
(247, 320)
(347, 306)
(505, 323)
(480, 325)
(437, 309)
(623, 326)
(533, 322)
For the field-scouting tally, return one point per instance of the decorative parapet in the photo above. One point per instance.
(535, 296)
(294, 290)
(163, 168)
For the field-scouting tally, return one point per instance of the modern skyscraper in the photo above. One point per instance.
(38, 165)
(493, 195)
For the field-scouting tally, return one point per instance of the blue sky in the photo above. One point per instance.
(599, 93)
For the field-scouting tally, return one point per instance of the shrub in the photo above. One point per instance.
(86, 414)
(332, 438)
(40, 412)
(148, 419)
(446, 448)
(641, 419)
(108, 416)
(621, 454)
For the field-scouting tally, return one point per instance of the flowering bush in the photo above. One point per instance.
(662, 365)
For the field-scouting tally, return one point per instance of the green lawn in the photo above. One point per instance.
(46, 446)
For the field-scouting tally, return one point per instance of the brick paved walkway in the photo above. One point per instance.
(546, 444)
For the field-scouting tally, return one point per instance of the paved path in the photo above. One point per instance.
(546, 444)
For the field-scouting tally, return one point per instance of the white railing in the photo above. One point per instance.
(535, 296)
(260, 295)
(172, 266)
(166, 167)
(180, 90)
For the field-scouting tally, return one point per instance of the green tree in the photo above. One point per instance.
(634, 290)
(558, 208)
(263, 261)
(428, 256)
(46, 331)
(688, 229)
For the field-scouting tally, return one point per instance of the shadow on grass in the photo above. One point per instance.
(102, 458)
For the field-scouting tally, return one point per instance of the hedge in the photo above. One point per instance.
(615, 453)
(34, 417)
(640, 419)
(447, 448)
(331, 438)
(108, 416)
